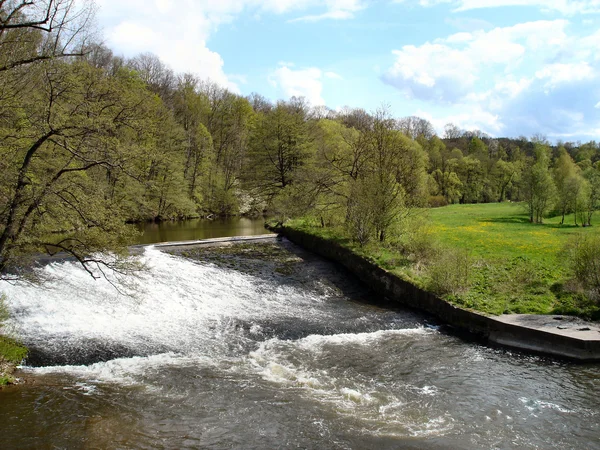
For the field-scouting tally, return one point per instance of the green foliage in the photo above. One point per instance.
(537, 184)
(4, 315)
(11, 351)
(279, 146)
(583, 253)
(449, 271)
(361, 212)
(291, 201)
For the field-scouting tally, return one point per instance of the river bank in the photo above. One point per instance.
(11, 354)
(561, 336)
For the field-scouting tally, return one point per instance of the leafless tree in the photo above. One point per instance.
(38, 30)
(452, 131)
(414, 126)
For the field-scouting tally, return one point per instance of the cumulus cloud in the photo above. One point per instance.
(336, 9)
(564, 7)
(528, 78)
(562, 112)
(447, 69)
(178, 31)
(307, 83)
(556, 74)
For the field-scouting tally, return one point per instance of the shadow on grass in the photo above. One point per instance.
(524, 220)
(513, 219)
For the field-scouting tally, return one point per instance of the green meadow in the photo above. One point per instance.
(497, 261)
(502, 230)
(515, 266)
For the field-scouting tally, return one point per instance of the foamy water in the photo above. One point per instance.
(201, 355)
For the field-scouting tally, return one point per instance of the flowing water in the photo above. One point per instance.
(270, 347)
(195, 229)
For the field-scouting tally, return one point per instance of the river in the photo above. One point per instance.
(196, 229)
(270, 347)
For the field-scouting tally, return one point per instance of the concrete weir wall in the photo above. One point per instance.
(497, 330)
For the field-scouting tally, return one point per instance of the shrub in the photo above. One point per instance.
(419, 244)
(3, 310)
(449, 271)
(437, 201)
(583, 256)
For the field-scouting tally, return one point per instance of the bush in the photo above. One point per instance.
(3, 310)
(437, 201)
(419, 244)
(449, 272)
(583, 256)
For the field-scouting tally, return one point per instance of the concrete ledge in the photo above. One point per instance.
(539, 334)
(258, 237)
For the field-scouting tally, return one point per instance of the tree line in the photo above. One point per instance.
(90, 141)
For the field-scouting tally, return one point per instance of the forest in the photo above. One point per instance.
(91, 141)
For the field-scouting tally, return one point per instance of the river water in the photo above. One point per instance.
(267, 346)
(196, 229)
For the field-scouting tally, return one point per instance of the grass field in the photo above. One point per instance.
(513, 266)
(518, 267)
(502, 230)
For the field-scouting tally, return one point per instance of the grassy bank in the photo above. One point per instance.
(485, 257)
(11, 352)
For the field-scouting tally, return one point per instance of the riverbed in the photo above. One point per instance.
(268, 346)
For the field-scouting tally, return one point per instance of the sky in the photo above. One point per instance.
(506, 67)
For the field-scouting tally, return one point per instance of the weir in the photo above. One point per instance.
(262, 344)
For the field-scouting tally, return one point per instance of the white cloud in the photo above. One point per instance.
(528, 78)
(336, 10)
(447, 69)
(562, 6)
(556, 74)
(299, 83)
(474, 118)
(177, 31)
(334, 76)
(566, 7)
(432, 72)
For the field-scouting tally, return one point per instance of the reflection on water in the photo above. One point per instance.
(195, 229)
(271, 348)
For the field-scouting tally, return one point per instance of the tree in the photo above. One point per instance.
(394, 178)
(59, 143)
(592, 201)
(34, 31)
(229, 120)
(470, 172)
(340, 156)
(448, 185)
(280, 145)
(567, 181)
(414, 127)
(537, 184)
(189, 107)
(451, 131)
(505, 174)
(159, 78)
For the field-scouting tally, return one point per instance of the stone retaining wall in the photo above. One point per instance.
(405, 293)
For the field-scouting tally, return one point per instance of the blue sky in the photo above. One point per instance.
(506, 67)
